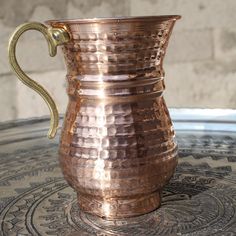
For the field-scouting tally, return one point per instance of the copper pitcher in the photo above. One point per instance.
(117, 146)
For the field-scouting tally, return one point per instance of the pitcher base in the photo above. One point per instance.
(115, 208)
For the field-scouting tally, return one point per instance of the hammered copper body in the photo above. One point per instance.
(117, 147)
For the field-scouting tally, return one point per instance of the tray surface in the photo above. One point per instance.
(199, 200)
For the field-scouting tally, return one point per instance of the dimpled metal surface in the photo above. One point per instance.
(117, 148)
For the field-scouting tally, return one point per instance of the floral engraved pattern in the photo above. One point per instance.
(199, 200)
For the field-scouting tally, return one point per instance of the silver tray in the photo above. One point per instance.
(199, 200)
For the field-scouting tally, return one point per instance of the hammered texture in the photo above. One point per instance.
(117, 147)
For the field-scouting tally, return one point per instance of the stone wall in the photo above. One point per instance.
(200, 63)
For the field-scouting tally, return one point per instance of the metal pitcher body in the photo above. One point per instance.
(117, 147)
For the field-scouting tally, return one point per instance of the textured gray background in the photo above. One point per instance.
(200, 64)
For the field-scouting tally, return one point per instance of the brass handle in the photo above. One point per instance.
(54, 37)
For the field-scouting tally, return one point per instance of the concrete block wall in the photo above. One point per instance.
(200, 63)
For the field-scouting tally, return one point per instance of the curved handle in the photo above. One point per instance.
(54, 37)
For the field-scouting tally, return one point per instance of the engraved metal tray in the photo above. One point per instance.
(199, 200)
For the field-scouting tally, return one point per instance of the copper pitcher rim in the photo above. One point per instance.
(115, 19)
